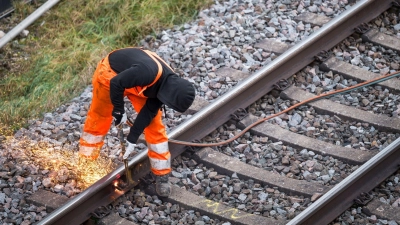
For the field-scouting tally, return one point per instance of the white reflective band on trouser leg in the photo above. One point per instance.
(158, 164)
(84, 150)
(92, 139)
(159, 148)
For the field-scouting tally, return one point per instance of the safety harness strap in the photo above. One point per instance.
(158, 74)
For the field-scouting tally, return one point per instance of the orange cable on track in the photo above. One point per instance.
(366, 83)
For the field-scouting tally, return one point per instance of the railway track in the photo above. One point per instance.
(26, 22)
(372, 165)
(6, 8)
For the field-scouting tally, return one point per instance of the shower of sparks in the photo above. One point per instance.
(85, 172)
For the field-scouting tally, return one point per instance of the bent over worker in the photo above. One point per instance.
(148, 82)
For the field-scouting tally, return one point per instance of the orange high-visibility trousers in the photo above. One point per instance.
(99, 120)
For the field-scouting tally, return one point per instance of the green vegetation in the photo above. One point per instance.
(66, 43)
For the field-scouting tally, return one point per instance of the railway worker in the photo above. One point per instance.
(148, 82)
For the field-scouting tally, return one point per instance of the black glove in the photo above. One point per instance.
(119, 118)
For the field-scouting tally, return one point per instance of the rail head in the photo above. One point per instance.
(363, 180)
(27, 21)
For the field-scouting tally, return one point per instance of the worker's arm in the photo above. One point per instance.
(144, 118)
(137, 75)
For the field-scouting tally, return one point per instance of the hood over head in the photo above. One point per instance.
(177, 93)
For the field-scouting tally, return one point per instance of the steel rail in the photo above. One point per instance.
(6, 8)
(27, 21)
(101, 193)
(9, 10)
(214, 115)
(363, 180)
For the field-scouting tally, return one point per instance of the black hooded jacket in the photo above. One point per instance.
(135, 68)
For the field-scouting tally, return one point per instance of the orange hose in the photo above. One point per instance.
(366, 83)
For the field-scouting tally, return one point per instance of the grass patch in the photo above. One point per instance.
(66, 43)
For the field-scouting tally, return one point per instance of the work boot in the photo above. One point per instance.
(163, 187)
